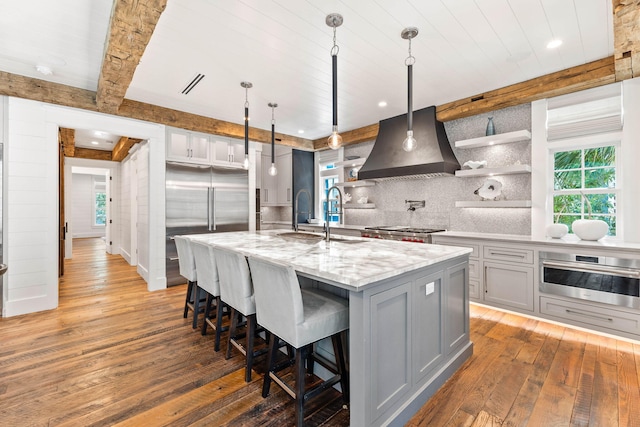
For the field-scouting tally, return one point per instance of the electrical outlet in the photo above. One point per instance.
(430, 288)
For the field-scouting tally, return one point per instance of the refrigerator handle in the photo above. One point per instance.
(213, 209)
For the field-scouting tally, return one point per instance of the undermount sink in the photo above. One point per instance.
(299, 235)
(313, 238)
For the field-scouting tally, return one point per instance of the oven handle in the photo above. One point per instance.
(604, 269)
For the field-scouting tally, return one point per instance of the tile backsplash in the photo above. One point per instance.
(441, 193)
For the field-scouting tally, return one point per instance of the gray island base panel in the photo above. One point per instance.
(408, 312)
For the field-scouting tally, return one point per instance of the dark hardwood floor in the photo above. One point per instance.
(115, 354)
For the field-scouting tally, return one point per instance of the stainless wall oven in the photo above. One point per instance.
(594, 278)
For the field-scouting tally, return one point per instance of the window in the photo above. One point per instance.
(329, 175)
(99, 203)
(584, 185)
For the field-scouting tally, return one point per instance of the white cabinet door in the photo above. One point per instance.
(268, 192)
(283, 163)
(509, 284)
(228, 152)
(199, 148)
(185, 146)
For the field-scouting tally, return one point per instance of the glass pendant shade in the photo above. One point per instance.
(409, 143)
(335, 140)
(245, 164)
(272, 170)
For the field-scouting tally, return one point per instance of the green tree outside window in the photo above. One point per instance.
(589, 170)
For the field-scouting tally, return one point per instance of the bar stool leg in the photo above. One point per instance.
(188, 298)
(271, 363)
(207, 312)
(219, 307)
(232, 331)
(338, 350)
(301, 356)
(251, 331)
(196, 306)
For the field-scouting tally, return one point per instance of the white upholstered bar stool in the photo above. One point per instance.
(187, 264)
(300, 317)
(236, 290)
(208, 281)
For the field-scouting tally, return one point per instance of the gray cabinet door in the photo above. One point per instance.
(509, 284)
(456, 321)
(428, 324)
(390, 347)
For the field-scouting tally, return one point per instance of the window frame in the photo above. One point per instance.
(583, 143)
(322, 160)
(94, 202)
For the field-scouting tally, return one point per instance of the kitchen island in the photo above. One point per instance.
(408, 311)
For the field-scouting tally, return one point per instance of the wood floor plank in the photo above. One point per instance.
(628, 386)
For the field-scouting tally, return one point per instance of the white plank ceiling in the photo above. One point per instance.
(464, 47)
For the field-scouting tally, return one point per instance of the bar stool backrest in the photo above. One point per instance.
(206, 267)
(279, 306)
(236, 287)
(186, 261)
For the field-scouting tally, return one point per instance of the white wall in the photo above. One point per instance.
(32, 198)
(125, 210)
(82, 206)
(143, 217)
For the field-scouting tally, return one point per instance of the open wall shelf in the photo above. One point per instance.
(502, 138)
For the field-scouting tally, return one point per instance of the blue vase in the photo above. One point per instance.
(491, 130)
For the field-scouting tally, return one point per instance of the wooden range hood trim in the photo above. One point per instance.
(581, 77)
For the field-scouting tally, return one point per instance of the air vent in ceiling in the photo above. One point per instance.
(192, 84)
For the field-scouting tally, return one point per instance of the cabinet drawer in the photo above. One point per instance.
(455, 242)
(508, 254)
(585, 315)
(474, 266)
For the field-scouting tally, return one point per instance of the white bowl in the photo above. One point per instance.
(590, 229)
(557, 231)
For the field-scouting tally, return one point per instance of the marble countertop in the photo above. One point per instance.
(568, 240)
(352, 266)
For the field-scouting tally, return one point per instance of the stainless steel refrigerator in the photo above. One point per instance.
(202, 199)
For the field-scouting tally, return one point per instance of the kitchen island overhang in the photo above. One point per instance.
(408, 313)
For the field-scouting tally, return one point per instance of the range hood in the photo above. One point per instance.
(432, 156)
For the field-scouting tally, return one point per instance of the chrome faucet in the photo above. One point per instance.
(340, 213)
(295, 207)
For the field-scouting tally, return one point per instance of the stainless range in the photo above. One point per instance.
(402, 233)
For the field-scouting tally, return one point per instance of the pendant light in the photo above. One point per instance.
(334, 141)
(409, 144)
(272, 170)
(246, 86)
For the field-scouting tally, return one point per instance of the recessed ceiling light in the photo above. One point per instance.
(301, 131)
(95, 143)
(554, 44)
(382, 104)
(99, 133)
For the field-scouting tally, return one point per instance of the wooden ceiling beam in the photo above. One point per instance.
(67, 138)
(592, 74)
(55, 93)
(196, 123)
(132, 24)
(626, 38)
(89, 153)
(122, 148)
